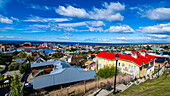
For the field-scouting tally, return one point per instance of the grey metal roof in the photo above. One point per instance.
(21, 60)
(42, 64)
(70, 74)
(55, 62)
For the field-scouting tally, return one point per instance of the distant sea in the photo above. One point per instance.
(70, 43)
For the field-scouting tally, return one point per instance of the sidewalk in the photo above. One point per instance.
(122, 87)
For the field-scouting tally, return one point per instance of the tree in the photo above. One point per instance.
(148, 47)
(97, 52)
(93, 56)
(58, 55)
(107, 72)
(16, 85)
(15, 53)
(5, 58)
(22, 55)
(80, 63)
(24, 67)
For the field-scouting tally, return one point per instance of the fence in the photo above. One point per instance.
(89, 86)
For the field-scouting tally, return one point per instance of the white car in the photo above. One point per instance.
(27, 84)
(6, 81)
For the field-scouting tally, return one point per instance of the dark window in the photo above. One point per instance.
(140, 68)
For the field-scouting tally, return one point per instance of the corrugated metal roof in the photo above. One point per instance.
(42, 64)
(54, 62)
(70, 74)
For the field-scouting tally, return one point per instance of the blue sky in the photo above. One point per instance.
(99, 21)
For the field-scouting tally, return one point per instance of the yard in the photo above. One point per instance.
(155, 87)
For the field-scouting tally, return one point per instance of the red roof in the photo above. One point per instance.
(134, 51)
(139, 61)
(28, 46)
(143, 51)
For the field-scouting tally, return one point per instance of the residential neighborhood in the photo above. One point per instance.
(47, 65)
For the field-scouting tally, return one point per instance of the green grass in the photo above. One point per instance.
(155, 87)
(156, 70)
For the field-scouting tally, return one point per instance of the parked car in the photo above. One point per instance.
(6, 81)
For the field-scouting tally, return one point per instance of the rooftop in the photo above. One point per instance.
(139, 61)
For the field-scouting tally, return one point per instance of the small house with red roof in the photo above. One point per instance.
(136, 64)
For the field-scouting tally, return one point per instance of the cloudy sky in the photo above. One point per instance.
(99, 21)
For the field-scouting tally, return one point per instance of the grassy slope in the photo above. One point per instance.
(155, 87)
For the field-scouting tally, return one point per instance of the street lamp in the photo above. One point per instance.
(116, 57)
(158, 70)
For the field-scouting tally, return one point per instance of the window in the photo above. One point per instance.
(129, 66)
(134, 67)
(108, 61)
(100, 65)
(123, 64)
(103, 66)
(119, 64)
(104, 60)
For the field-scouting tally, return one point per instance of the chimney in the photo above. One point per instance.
(134, 54)
(143, 53)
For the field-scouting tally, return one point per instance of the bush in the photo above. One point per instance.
(24, 67)
(13, 66)
(132, 80)
(58, 55)
(107, 72)
(144, 77)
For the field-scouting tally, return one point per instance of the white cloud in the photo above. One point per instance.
(5, 20)
(121, 38)
(40, 19)
(10, 37)
(121, 29)
(95, 23)
(63, 38)
(70, 29)
(161, 28)
(33, 31)
(96, 29)
(160, 14)
(72, 24)
(66, 33)
(109, 12)
(158, 36)
(41, 7)
(16, 19)
(72, 12)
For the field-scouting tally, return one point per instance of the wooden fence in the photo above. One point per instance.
(89, 86)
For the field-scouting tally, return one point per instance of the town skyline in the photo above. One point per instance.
(99, 21)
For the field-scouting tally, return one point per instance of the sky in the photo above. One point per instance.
(98, 21)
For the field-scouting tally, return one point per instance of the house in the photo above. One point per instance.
(160, 61)
(39, 58)
(2, 48)
(57, 72)
(136, 64)
(75, 59)
(21, 61)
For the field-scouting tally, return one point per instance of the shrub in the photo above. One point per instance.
(144, 77)
(107, 72)
(24, 67)
(13, 66)
(58, 55)
(132, 80)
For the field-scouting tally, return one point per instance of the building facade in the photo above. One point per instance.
(136, 64)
